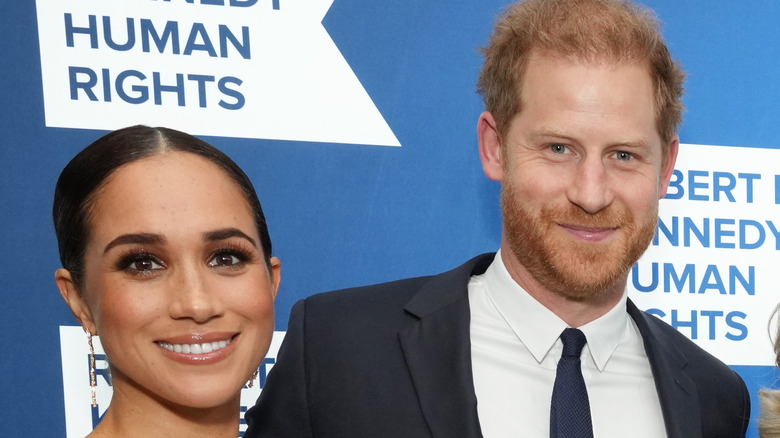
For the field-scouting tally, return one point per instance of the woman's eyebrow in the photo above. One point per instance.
(227, 233)
(142, 238)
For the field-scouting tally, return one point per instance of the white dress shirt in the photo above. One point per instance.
(515, 351)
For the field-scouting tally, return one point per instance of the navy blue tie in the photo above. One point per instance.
(570, 409)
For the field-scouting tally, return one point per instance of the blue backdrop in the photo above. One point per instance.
(344, 215)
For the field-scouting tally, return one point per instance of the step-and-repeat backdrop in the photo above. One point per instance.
(356, 121)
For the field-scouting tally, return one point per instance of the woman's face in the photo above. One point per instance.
(176, 283)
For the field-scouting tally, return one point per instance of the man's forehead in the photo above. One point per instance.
(538, 56)
(545, 63)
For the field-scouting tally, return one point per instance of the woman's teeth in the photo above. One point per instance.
(206, 347)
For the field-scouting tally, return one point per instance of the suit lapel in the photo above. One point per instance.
(437, 349)
(440, 365)
(676, 391)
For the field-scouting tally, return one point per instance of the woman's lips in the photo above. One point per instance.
(197, 348)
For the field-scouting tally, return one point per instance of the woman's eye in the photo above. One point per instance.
(145, 265)
(559, 148)
(141, 263)
(227, 260)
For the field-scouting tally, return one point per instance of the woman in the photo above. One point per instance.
(166, 255)
(769, 420)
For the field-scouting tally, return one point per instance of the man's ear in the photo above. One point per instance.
(490, 146)
(75, 300)
(667, 168)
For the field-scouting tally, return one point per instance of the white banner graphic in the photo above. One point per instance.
(232, 68)
(81, 417)
(713, 270)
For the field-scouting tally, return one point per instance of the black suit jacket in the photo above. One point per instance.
(394, 360)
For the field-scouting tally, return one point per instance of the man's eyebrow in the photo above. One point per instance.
(552, 132)
(634, 143)
(548, 132)
(226, 233)
(142, 238)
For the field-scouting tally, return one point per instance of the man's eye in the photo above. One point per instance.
(623, 156)
(559, 148)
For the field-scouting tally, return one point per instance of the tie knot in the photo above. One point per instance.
(573, 341)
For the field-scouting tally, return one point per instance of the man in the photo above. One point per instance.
(583, 102)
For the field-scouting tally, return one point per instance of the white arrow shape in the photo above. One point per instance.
(251, 71)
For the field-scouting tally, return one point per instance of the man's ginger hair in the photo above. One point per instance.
(612, 31)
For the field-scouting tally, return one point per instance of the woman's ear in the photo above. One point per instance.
(276, 276)
(75, 300)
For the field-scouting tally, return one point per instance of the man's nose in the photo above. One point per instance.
(590, 189)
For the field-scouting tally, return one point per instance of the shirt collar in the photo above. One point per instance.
(539, 328)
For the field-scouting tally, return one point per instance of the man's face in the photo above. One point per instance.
(582, 172)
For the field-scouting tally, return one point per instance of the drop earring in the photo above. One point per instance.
(92, 381)
(252, 379)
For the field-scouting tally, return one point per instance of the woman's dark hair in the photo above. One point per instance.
(90, 169)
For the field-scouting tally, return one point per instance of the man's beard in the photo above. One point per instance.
(576, 270)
